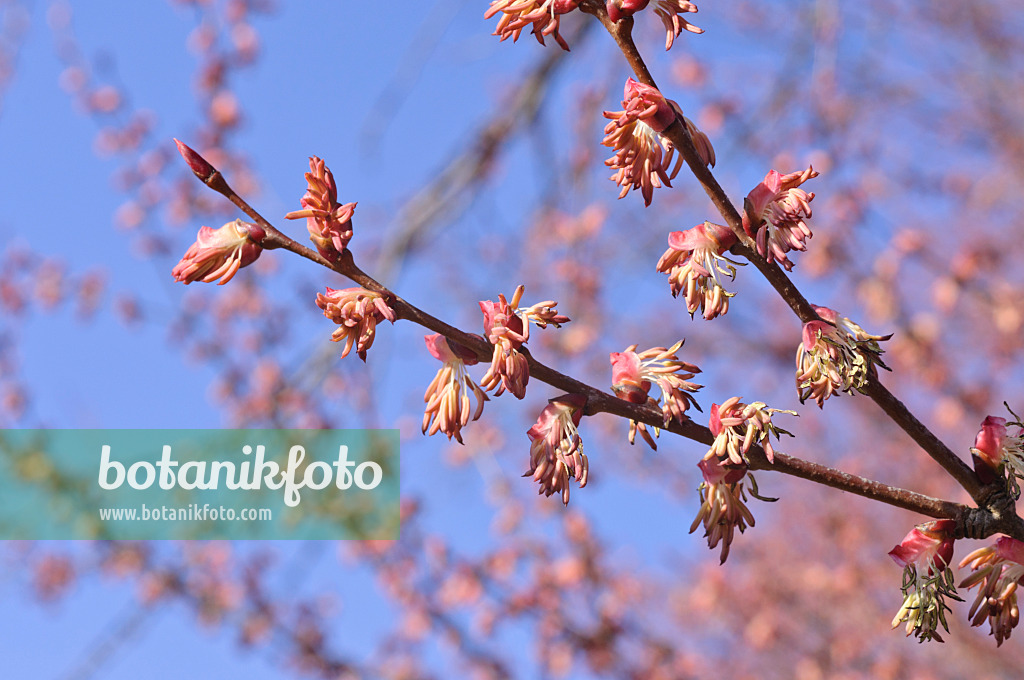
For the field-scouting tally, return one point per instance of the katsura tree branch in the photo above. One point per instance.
(599, 401)
(683, 142)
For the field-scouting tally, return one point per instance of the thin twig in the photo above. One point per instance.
(680, 137)
(599, 401)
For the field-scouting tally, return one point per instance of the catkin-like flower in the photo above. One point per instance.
(836, 355)
(218, 254)
(925, 555)
(775, 212)
(507, 327)
(357, 311)
(668, 11)
(999, 570)
(329, 222)
(556, 449)
(737, 426)
(448, 402)
(722, 504)
(999, 454)
(695, 266)
(634, 374)
(643, 157)
(542, 15)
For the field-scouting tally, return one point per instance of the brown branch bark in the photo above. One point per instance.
(680, 137)
(598, 401)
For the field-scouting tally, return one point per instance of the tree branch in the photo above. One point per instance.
(680, 138)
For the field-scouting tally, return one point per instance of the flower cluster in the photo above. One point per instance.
(643, 157)
(925, 554)
(722, 507)
(218, 254)
(998, 454)
(357, 312)
(999, 569)
(835, 355)
(668, 10)
(634, 374)
(694, 262)
(543, 15)
(447, 398)
(507, 327)
(774, 213)
(737, 426)
(329, 222)
(556, 449)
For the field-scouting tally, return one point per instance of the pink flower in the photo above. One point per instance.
(925, 554)
(447, 397)
(507, 327)
(997, 453)
(633, 375)
(667, 10)
(928, 547)
(737, 426)
(988, 444)
(556, 449)
(722, 509)
(543, 15)
(357, 311)
(694, 262)
(670, 11)
(835, 355)
(776, 209)
(329, 222)
(1000, 570)
(618, 9)
(643, 157)
(218, 254)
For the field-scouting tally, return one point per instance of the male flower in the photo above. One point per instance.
(634, 374)
(543, 15)
(218, 254)
(1000, 570)
(835, 355)
(737, 426)
(668, 10)
(694, 262)
(329, 222)
(643, 157)
(556, 449)
(357, 312)
(925, 554)
(447, 397)
(776, 209)
(507, 327)
(722, 508)
(998, 454)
